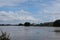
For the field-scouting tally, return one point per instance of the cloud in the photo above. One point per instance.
(40, 10)
(51, 11)
(18, 2)
(11, 2)
(18, 16)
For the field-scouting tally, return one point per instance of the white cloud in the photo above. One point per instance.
(19, 15)
(51, 11)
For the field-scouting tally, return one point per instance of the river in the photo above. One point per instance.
(31, 33)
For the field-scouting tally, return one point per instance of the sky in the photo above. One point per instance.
(34, 11)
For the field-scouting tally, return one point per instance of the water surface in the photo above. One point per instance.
(31, 33)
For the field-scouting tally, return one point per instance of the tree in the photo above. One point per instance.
(56, 23)
(20, 24)
(27, 24)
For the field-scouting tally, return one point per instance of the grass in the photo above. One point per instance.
(4, 36)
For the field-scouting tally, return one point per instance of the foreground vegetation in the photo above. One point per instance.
(4, 36)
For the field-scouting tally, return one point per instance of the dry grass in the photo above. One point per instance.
(4, 36)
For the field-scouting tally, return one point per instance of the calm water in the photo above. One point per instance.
(31, 33)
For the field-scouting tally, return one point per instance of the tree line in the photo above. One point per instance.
(56, 23)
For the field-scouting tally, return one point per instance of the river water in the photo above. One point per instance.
(31, 33)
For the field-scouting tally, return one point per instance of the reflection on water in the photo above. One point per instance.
(31, 33)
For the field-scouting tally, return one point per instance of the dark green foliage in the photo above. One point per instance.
(26, 24)
(56, 23)
(4, 36)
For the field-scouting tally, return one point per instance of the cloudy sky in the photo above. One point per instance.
(35, 11)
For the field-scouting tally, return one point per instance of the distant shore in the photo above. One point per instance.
(47, 24)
